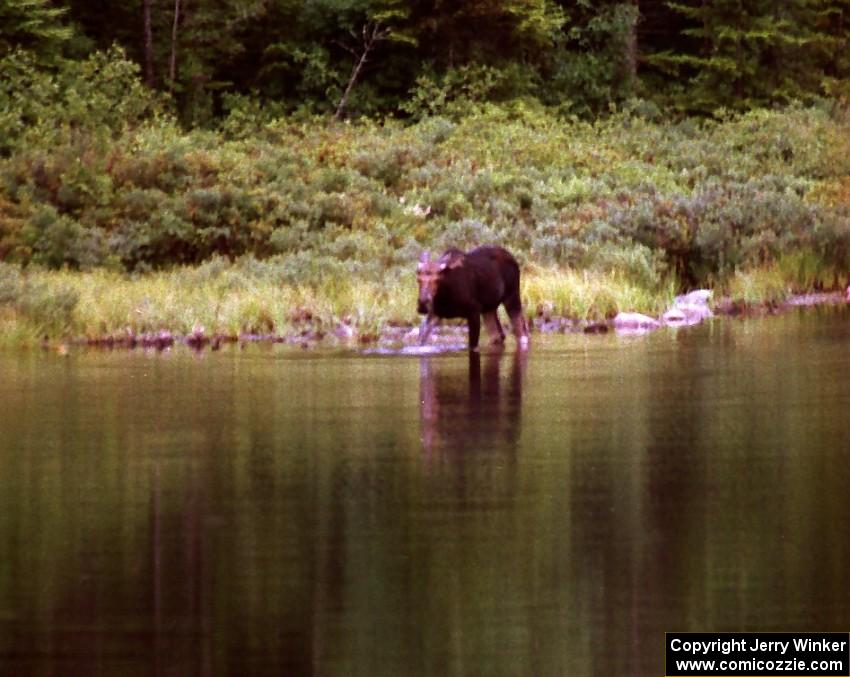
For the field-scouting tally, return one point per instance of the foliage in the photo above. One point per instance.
(461, 91)
(595, 64)
(117, 187)
(35, 25)
(75, 102)
(579, 56)
(746, 55)
(620, 212)
(554, 128)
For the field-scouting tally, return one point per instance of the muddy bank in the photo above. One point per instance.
(404, 335)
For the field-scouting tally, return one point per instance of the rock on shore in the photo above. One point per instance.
(688, 309)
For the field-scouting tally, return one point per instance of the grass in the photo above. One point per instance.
(589, 295)
(764, 286)
(102, 303)
(237, 299)
(771, 284)
(232, 302)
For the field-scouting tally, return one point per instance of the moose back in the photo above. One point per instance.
(471, 285)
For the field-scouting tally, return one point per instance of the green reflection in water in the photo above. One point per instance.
(266, 512)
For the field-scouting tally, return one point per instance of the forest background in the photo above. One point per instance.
(251, 166)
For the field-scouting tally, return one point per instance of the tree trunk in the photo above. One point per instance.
(148, 30)
(172, 63)
(631, 49)
(355, 73)
(371, 34)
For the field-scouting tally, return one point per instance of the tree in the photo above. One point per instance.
(183, 47)
(34, 25)
(378, 57)
(481, 50)
(175, 25)
(335, 56)
(831, 20)
(597, 56)
(372, 34)
(148, 37)
(204, 36)
(382, 21)
(485, 31)
(745, 54)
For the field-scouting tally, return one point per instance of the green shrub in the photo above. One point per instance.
(50, 308)
(457, 92)
(56, 240)
(692, 200)
(98, 98)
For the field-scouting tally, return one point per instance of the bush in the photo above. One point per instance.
(100, 98)
(697, 200)
(460, 91)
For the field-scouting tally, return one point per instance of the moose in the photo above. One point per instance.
(471, 285)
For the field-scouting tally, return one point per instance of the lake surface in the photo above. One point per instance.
(267, 511)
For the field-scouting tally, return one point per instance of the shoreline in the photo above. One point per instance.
(404, 334)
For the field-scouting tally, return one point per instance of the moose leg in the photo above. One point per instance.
(518, 324)
(494, 328)
(427, 327)
(474, 322)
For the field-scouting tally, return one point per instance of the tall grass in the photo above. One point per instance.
(589, 295)
(234, 299)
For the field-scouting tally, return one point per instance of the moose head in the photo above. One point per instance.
(429, 274)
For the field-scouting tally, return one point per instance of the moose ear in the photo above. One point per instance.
(453, 258)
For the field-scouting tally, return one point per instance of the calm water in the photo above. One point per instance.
(270, 512)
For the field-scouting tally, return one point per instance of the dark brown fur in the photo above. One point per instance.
(471, 285)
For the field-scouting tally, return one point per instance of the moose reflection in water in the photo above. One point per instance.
(474, 414)
(471, 285)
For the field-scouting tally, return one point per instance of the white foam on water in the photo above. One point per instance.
(413, 350)
(427, 350)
